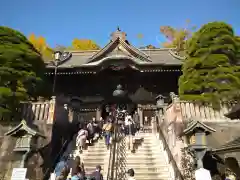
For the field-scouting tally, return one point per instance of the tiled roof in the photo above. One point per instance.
(226, 135)
(119, 49)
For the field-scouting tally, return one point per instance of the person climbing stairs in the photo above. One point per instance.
(93, 156)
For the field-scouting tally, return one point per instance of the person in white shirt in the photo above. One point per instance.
(81, 139)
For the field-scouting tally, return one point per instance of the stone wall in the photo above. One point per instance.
(178, 113)
(50, 119)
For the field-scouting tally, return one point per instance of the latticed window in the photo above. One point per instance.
(23, 143)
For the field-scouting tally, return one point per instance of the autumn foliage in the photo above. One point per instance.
(41, 45)
(84, 44)
(176, 37)
(46, 51)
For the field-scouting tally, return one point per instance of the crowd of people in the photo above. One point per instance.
(68, 169)
(103, 128)
(93, 131)
(74, 170)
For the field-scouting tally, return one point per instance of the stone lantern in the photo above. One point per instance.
(26, 140)
(160, 107)
(160, 101)
(196, 136)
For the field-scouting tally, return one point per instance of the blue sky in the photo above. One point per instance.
(60, 21)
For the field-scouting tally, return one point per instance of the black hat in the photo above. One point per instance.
(130, 172)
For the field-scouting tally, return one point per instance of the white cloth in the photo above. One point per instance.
(81, 138)
(128, 120)
(53, 176)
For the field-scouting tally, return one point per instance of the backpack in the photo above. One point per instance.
(75, 177)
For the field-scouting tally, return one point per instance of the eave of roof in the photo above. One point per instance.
(149, 57)
(198, 124)
(23, 126)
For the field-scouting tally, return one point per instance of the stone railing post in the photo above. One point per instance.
(154, 125)
(51, 111)
(140, 114)
(98, 113)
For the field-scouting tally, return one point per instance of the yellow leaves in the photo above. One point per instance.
(84, 44)
(41, 45)
(139, 36)
(176, 37)
(168, 45)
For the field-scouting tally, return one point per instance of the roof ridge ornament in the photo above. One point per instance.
(118, 34)
(175, 55)
(23, 126)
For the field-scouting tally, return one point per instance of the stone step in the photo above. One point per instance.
(88, 160)
(143, 155)
(92, 168)
(94, 155)
(100, 149)
(146, 177)
(160, 161)
(139, 153)
(89, 167)
(150, 173)
(147, 168)
(147, 163)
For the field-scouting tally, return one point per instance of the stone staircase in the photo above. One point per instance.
(148, 161)
(96, 154)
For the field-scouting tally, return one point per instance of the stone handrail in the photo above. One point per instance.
(175, 172)
(112, 157)
(48, 171)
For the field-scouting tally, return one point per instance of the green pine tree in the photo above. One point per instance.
(210, 71)
(21, 69)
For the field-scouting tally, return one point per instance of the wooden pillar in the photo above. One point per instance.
(140, 114)
(51, 111)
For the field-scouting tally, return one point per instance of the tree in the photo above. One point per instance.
(41, 45)
(238, 45)
(210, 71)
(176, 37)
(21, 69)
(84, 44)
(61, 48)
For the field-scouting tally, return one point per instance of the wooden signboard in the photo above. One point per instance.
(202, 174)
(19, 174)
